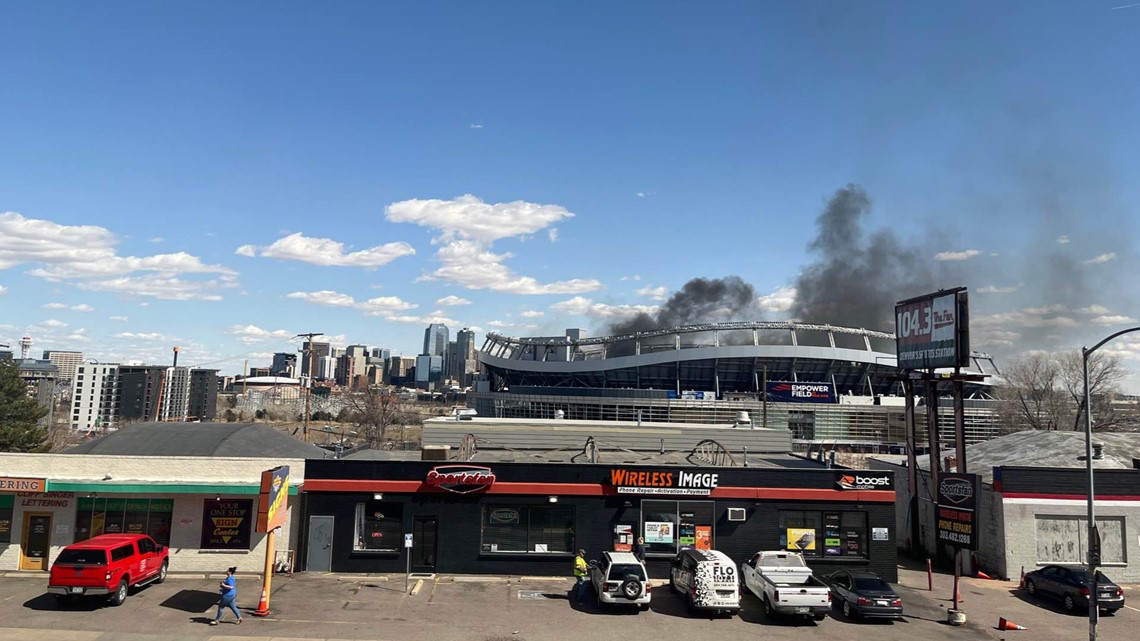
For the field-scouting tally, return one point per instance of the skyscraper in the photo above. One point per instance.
(319, 349)
(468, 364)
(65, 361)
(435, 340)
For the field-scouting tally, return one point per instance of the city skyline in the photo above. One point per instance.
(211, 185)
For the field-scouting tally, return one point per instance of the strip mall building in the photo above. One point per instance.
(528, 518)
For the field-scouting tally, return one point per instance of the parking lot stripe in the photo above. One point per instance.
(1132, 608)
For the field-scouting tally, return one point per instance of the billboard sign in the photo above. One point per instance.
(274, 497)
(788, 392)
(957, 510)
(933, 331)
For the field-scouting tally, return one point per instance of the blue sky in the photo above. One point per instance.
(223, 177)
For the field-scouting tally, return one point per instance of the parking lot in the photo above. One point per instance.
(471, 608)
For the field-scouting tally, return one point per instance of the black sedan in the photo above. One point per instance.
(862, 594)
(1070, 587)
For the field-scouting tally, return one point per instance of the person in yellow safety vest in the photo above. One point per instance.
(581, 569)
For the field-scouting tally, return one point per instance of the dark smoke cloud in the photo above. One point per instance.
(701, 300)
(855, 280)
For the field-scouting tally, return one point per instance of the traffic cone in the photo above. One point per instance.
(1005, 624)
(983, 575)
(263, 605)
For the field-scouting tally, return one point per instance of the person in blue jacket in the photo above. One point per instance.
(228, 590)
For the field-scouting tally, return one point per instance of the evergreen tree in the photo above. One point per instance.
(19, 415)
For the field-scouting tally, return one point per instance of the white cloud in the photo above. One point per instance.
(1112, 320)
(1092, 309)
(582, 306)
(78, 336)
(1103, 258)
(1037, 317)
(83, 307)
(51, 322)
(3, 290)
(656, 293)
(500, 324)
(994, 289)
(452, 300)
(385, 306)
(253, 334)
(468, 227)
(85, 254)
(143, 336)
(434, 317)
(633, 277)
(780, 300)
(532, 313)
(54, 306)
(157, 239)
(1062, 240)
(327, 252)
(121, 319)
(641, 194)
(476, 125)
(961, 255)
(552, 234)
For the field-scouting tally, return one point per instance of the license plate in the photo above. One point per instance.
(803, 610)
(77, 590)
(880, 602)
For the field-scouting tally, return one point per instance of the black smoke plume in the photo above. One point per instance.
(855, 280)
(701, 300)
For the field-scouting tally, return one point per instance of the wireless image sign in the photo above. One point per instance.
(460, 479)
(957, 508)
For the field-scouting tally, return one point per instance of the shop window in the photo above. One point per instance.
(379, 527)
(824, 534)
(95, 516)
(668, 526)
(528, 529)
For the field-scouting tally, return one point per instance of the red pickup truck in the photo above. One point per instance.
(109, 564)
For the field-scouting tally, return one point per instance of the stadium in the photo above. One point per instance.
(828, 385)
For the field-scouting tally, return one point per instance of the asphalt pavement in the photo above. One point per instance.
(330, 607)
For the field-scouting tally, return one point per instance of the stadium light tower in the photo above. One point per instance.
(1093, 536)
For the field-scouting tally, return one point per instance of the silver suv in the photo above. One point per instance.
(619, 578)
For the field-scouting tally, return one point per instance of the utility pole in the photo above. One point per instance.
(309, 384)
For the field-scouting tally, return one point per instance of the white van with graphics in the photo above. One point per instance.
(708, 578)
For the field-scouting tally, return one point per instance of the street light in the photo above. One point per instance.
(1093, 536)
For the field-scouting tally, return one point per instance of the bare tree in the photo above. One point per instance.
(374, 410)
(1046, 391)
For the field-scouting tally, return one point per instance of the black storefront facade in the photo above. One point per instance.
(528, 519)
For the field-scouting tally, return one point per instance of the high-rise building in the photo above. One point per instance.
(429, 371)
(359, 356)
(435, 340)
(39, 376)
(95, 397)
(451, 362)
(468, 365)
(284, 364)
(65, 361)
(203, 405)
(319, 349)
(139, 389)
(324, 368)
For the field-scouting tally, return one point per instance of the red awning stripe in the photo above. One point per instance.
(588, 489)
(1068, 497)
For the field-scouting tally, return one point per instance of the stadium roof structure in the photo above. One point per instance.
(200, 439)
(720, 357)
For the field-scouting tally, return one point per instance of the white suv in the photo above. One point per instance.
(619, 578)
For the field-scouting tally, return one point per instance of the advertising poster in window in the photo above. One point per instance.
(5, 525)
(801, 539)
(704, 537)
(658, 532)
(226, 524)
(832, 542)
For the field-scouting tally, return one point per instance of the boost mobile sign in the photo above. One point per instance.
(933, 331)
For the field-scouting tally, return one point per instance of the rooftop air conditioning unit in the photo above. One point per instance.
(736, 514)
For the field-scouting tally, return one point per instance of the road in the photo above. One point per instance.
(459, 608)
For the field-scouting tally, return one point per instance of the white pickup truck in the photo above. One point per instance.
(785, 585)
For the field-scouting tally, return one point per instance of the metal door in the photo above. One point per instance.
(424, 543)
(319, 557)
(36, 542)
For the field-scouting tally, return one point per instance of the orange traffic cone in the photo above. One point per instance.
(1005, 624)
(263, 605)
(983, 575)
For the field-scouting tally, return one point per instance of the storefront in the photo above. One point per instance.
(521, 518)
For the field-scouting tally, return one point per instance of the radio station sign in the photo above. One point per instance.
(933, 331)
(789, 392)
(957, 510)
(626, 481)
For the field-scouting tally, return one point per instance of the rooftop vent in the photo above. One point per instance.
(742, 420)
(1098, 451)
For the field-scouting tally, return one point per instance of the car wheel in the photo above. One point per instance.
(820, 617)
(1031, 587)
(644, 607)
(1070, 603)
(847, 611)
(162, 573)
(1109, 613)
(672, 584)
(769, 611)
(120, 593)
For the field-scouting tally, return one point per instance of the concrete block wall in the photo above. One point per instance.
(1020, 529)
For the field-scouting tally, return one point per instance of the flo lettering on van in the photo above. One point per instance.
(657, 482)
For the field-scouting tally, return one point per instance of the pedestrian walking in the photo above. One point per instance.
(639, 549)
(228, 591)
(581, 569)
